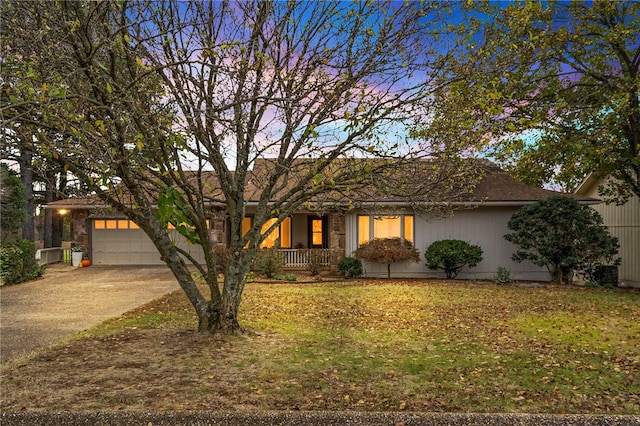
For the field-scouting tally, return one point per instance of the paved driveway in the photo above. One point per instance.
(68, 300)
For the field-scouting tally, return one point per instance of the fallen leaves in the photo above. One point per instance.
(406, 345)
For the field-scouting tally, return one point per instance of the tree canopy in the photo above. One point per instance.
(556, 86)
(146, 99)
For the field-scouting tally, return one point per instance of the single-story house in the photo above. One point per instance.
(624, 223)
(480, 218)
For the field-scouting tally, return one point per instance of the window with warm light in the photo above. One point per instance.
(121, 224)
(316, 233)
(281, 233)
(384, 226)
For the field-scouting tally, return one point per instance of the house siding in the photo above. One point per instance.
(484, 226)
(624, 223)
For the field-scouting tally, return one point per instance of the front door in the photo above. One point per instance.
(318, 232)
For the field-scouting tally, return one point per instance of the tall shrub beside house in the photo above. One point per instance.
(387, 250)
(562, 235)
(452, 255)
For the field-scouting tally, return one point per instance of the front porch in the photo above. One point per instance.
(301, 258)
(305, 239)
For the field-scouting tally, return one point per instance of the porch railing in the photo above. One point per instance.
(53, 255)
(299, 258)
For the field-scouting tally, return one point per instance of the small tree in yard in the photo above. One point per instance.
(562, 235)
(452, 255)
(387, 250)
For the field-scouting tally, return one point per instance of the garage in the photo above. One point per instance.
(122, 242)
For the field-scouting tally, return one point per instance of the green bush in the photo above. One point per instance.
(503, 276)
(564, 236)
(452, 255)
(290, 277)
(350, 267)
(18, 262)
(269, 262)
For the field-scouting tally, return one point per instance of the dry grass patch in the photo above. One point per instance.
(362, 345)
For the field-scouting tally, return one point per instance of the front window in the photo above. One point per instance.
(384, 226)
(281, 233)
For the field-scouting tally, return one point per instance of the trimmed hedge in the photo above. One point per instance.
(452, 255)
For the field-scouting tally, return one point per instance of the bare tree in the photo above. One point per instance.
(168, 110)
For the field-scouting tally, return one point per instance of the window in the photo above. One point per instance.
(114, 224)
(121, 224)
(282, 233)
(318, 231)
(385, 226)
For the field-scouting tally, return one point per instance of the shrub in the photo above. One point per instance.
(12, 205)
(350, 267)
(314, 261)
(503, 276)
(269, 262)
(606, 275)
(562, 235)
(18, 262)
(452, 255)
(387, 250)
(290, 277)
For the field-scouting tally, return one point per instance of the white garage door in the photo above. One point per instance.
(121, 242)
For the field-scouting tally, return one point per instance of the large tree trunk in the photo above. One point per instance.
(57, 224)
(26, 173)
(49, 196)
(223, 313)
(220, 313)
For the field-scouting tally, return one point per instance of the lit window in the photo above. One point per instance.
(112, 224)
(123, 224)
(316, 232)
(370, 227)
(98, 224)
(283, 232)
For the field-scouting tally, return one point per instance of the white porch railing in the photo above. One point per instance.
(53, 255)
(299, 258)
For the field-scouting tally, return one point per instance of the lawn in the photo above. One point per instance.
(359, 345)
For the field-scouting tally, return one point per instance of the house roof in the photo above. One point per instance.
(498, 186)
(495, 187)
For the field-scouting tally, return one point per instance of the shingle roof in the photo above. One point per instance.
(496, 186)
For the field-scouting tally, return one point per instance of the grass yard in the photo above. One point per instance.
(360, 345)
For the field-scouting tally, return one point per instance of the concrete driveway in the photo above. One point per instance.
(68, 300)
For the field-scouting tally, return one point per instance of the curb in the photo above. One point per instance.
(307, 418)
